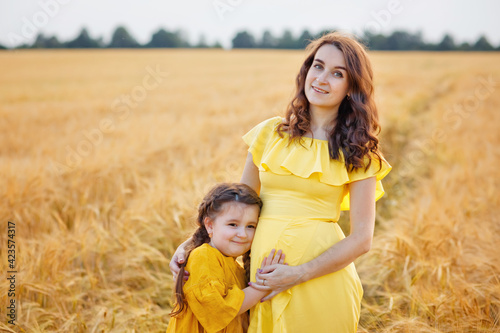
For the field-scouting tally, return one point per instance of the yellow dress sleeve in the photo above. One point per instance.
(212, 301)
(374, 170)
(258, 137)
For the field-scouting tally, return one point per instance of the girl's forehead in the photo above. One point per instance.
(236, 208)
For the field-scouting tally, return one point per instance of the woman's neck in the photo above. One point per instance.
(322, 121)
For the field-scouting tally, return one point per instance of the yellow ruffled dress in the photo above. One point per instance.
(214, 294)
(303, 191)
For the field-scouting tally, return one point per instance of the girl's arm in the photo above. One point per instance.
(252, 295)
(362, 218)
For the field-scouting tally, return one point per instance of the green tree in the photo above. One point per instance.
(447, 44)
(243, 40)
(268, 41)
(482, 44)
(304, 39)
(2, 47)
(82, 41)
(163, 38)
(374, 41)
(464, 47)
(402, 40)
(287, 41)
(122, 39)
(43, 42)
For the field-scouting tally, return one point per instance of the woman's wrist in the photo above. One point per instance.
(303, 273)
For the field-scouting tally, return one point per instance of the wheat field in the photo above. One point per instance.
(106, 153)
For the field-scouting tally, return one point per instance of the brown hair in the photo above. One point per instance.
(211, 205)
(357, 126)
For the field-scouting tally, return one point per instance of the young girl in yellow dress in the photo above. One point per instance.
(214, 298)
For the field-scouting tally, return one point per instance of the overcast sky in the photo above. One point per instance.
(219, 20)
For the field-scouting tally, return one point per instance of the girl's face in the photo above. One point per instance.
(233, 228)
(326, 82)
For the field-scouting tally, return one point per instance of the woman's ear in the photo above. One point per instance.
(209, 225)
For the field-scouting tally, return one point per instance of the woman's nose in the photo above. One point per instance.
(321, 78)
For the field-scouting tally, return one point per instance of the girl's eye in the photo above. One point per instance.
(251, 226)
(232, 224)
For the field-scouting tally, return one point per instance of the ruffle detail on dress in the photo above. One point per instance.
(276, 154)
(375, 169)
(303, 160)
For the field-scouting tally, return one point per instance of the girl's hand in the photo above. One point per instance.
(273, 258)
(278, 278)
(177, 259)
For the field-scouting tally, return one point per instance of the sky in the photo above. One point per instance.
(220, 20)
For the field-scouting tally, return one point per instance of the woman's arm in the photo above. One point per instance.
(178, 259)
(250, 174)
(362, 218)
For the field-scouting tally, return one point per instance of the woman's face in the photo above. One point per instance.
(326, 82)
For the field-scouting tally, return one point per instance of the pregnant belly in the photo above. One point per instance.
(301, 239)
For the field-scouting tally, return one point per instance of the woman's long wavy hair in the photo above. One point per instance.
(212, 205)
(356, 128)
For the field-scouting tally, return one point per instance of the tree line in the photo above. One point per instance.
(395, 41)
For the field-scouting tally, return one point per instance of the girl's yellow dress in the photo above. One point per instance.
(213, 294)
(303, 191)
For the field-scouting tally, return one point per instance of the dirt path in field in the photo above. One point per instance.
(435, 265)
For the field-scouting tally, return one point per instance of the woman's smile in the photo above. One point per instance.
(319, 90)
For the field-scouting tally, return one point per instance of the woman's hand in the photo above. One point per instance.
(274, 258)
(177, 259)
(278, 278)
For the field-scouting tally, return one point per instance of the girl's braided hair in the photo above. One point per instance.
(211, 206)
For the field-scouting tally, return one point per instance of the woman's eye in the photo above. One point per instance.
(338, 74)
(318, 66)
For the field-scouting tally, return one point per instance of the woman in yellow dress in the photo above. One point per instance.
(323, 157)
